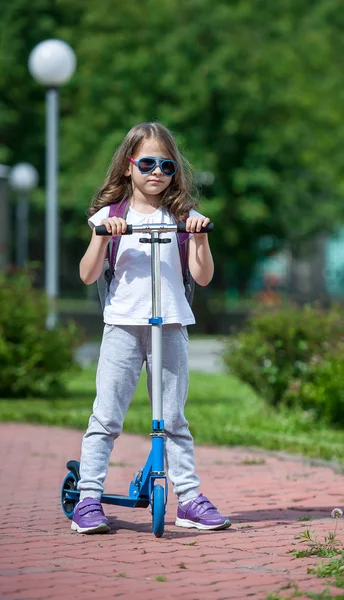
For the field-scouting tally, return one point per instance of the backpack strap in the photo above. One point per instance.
(189, 283)
(182, 244)
(182, 239)
(120, 210)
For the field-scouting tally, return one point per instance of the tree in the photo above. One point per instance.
(253, 92)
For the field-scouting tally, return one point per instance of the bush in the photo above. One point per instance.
(32, 358)
(324, 394)
(278, 352)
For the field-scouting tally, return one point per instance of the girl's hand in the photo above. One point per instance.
(115, 226)
(194, 224)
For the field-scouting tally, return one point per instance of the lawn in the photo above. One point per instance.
(220, 409)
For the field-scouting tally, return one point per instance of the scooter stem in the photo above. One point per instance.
(156, 322)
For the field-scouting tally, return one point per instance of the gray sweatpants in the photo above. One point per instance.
(123, 351)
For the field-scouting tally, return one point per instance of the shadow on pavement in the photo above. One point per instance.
(169, 533)
(282, 515)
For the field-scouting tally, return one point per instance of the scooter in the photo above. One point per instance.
(145, 489)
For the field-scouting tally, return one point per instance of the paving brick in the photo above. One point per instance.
(40, 557)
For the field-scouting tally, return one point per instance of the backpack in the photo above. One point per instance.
(120, 210)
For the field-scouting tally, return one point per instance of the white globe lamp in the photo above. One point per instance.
(52, 63)
(23, 178)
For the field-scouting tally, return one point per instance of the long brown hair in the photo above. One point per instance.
(178, 198)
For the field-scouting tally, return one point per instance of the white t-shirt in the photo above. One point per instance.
(130, 298)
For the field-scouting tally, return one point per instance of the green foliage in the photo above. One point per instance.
(32, 358)
(324, 595)
(334, 569)
(325, 392)
(254, 92)
(293, 355)
(296, 592)
(329, 546)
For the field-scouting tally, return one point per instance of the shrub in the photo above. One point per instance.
(324, 393)
(32, 358)
(278, 351)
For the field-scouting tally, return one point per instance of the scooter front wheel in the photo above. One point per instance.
(158, 512)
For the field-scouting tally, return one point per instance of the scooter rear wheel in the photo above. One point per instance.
(158, 512)
(68, 505)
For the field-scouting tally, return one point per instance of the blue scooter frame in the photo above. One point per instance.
(145, 489)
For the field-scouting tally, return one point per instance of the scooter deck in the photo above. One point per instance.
(125, 500)
(118, 499)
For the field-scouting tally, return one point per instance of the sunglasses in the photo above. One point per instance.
(146, 164)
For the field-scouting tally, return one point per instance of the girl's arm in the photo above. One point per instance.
(91, 264)
(200, 259)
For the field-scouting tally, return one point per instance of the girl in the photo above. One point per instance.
(148, 170)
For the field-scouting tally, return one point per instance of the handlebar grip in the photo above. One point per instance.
(101, 230)
(181, 228)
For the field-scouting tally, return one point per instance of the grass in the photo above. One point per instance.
(329, 546)
(296, 593)
(220, 410)
(332, 570)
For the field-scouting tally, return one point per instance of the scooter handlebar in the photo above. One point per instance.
(180, 227)
(101, 230)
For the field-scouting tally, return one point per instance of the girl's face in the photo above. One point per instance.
(154, 182)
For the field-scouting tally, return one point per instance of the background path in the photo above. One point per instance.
(204, 354)
(40, 558)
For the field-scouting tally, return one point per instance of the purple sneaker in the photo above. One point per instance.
(202, 514)
(89, 517)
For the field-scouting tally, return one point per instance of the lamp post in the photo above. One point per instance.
(5, 228)
(23, 178)
(52, 63)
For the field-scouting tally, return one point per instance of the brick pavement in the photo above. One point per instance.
(265, 494)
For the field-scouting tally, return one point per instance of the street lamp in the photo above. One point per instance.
(5, 228)
(22, 179)
(206, 178)
(52, 63)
